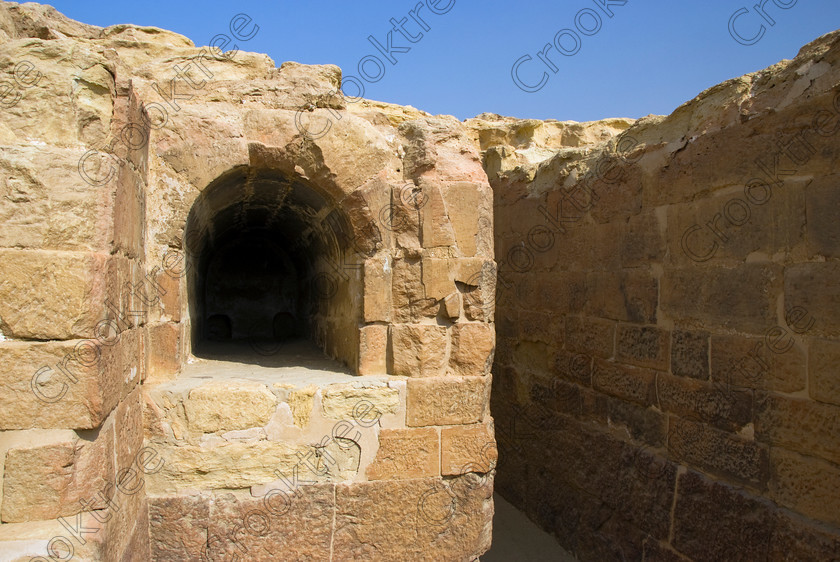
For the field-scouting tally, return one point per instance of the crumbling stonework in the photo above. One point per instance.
(665, 381)
(138, 172)
(182, 227)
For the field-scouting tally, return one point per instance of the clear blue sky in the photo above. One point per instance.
(650, 57)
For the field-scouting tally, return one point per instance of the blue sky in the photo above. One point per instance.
(649, 57)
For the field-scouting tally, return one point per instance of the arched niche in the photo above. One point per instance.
(266, 266)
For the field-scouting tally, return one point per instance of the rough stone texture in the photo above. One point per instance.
(664, 380)
(229, 405)
(341, 402)
(421, 519)
(667, 321)
(467, 449)
(418, 350)
(252, 529)
(119, 204)
(178, 526)
(47, 481)
(472, 348)
(823, 357)
(228, 465)
(406, 453)
(445, 401)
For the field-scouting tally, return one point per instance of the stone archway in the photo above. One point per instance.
(262, 256)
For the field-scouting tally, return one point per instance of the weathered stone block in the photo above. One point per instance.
(590, 336)
(226, 405)
(713, 521)
(774, 362)
(51, 295)
(717, 404)
(575, 367)
(445, 400)
(373, 350)
(128, 429)
(823, 229)
(645, 346)
(727, 228)
(743, 298)
(301, 402)
(418, 350)
(58, 475)
(406, 453)
(340, 401)
(164, 350)
(813, 287)
(46, 205)
(794, 537)
(540, 327)
(452, 306)
(178, 526)
(646, 425)
(44, 539)
(408, 297)
(377, 290)
(464, 201)
(642, 241)
(472, 348)
(799, 425)
(413, 519)
(438, 278)
(732, 458)
(690, 354)
(53, 385)
(436, 228)
(244, 527)
(478, 288)
(467, 449)
(228, 465)
(626, 295)
(629, 383)
(808, 485)
(823, 361)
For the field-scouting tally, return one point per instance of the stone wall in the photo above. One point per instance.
(665, 382)
(73, 352)
(129, 159)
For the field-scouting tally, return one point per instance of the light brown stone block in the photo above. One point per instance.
(164, 341)
(377, 289)
(472, 348)
(227, 405)
(445, 401)
(53, 385)
(406, 453)
(373, 350)
(51, 295)
(773, 362)
(58, 472)
(591, 336)
(422, 519)
(799, 425)
(341, 401)
(464, 201)
(418, 350)
(470, 448)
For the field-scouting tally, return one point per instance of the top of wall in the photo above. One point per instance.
(515, 150)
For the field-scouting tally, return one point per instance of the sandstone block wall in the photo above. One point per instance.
(129, 158)
(73, 351)
(665, 382)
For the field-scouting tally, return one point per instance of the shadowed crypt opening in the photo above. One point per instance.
(262, 275)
